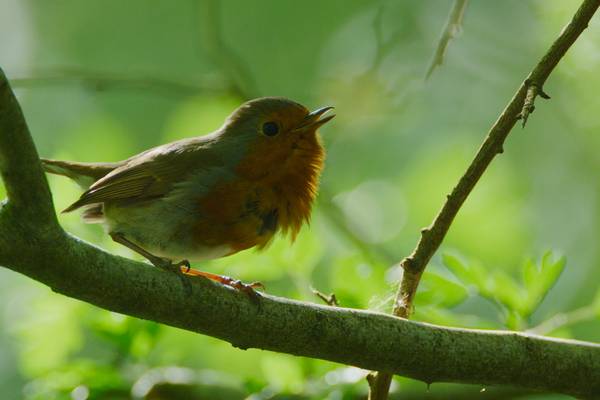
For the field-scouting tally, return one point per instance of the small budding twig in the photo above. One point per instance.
(533, 90)
(330, 300)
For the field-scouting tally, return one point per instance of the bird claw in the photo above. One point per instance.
(247, 288)
(241, 286)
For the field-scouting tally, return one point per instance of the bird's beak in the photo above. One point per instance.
(313, 120)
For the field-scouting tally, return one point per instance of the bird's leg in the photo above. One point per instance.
(160, 262)
(227, 281)
(183, 267)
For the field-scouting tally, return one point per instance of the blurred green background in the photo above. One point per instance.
(103, 80)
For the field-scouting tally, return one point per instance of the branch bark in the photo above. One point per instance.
(519, 107)
(20, 166)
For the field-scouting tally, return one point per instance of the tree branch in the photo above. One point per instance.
(452, 28)
(519, 107)
(98, 80)
(362, 338)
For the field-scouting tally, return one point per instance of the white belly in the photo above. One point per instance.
(153, 229)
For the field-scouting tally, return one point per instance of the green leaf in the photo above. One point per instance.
(504, 289)
(551, 270)
(472, 274)
(539, 280)
(514, 321)
(440, 291)
(530, 273)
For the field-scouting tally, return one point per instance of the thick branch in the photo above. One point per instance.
(519, 107)
(362, 338)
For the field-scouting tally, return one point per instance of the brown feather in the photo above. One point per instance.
(82, 173)
(151, 174)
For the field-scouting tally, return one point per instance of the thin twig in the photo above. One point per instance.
(241, 79)
(432, 236)
(330, 300)
(382, 46)
(100, 81)
(451, 30)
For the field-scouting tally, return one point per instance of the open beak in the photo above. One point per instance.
(316, 118)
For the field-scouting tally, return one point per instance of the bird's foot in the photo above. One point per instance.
(183, 268)
(247, 288)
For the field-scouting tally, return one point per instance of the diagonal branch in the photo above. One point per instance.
(432, 236)
(362, 338)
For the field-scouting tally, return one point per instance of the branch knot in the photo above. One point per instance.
(533, 90)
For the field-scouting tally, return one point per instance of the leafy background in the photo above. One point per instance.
(105, 80)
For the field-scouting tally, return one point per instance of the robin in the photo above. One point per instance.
(211, 196)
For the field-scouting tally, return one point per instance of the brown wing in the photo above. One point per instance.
(150, 174)
(84, 174)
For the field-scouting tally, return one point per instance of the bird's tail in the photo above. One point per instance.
(84, 174)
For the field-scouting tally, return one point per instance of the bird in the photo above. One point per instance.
(209, 196)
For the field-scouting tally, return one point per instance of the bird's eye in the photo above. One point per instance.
(270, 128)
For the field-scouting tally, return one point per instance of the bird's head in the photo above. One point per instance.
(279, 136)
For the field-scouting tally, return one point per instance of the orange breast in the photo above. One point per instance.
(239, 214)
(274, 190)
